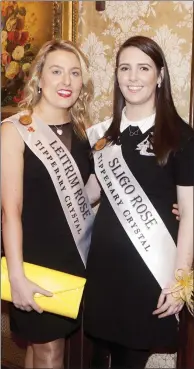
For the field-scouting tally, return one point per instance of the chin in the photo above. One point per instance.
(65, 104)
(135, 101)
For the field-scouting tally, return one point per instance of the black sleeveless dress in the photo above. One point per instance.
(47, 239)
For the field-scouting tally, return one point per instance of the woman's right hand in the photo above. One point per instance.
(23, 291)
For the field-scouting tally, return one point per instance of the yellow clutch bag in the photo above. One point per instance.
(67, 289)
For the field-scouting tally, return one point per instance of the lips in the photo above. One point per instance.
(135, 89)
(64, 93)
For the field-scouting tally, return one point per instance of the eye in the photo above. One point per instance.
(56, 71)
(76, 73)
(124, 69)
(144, 68)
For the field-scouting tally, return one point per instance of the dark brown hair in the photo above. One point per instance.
(166, 130)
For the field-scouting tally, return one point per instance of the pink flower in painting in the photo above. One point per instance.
(5, 58)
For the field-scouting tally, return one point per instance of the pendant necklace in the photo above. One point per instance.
(133, 133)
(59, 129)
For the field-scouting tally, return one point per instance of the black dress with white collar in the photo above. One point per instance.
(121, 292)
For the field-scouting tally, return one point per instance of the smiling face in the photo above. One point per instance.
(61, 79)
(137, 78)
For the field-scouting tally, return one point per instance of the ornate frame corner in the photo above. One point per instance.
(62, 28)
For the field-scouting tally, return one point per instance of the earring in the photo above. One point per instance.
(159, 84)
(39, 90)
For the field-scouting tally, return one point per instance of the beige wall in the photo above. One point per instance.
(100, 33)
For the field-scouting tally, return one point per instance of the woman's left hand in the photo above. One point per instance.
(167, 304)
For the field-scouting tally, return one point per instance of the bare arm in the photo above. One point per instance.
(12, 148)
(12, 165)
(185, 234)
(167, 304)
(92, 188)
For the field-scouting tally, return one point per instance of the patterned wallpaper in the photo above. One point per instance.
(101, 33)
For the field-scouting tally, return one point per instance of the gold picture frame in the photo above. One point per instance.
(65, 20)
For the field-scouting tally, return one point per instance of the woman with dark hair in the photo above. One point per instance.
(144, 160)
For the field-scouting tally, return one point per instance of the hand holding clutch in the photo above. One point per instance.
(23, 291)
(67, 289)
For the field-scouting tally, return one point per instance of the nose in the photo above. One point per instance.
(133, 75)
(66, 79)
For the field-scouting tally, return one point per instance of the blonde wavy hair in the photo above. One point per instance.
(80, 111)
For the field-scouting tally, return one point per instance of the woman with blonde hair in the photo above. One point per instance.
(46, 213)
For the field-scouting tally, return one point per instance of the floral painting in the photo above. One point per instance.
(20, 23)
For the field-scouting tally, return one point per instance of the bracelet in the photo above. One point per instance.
(183, 288)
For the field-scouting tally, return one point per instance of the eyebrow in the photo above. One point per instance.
(58, 66)
(128, 64)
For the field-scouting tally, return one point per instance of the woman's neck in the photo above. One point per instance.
(50, 114)
(137, 112)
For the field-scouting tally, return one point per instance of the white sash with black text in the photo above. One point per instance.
(134, 210)
(66, 178)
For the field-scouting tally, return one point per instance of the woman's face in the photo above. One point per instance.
(137, 77)
(61, 79)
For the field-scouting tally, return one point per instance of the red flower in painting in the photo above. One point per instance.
(10, 36)
(18, 37)
(16, 99)
(24, 38)
(19, 96)
(10, 10)
(14, 36)
(3, 12)
(6, 9)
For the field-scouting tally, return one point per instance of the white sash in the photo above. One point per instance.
(66, 178)
(134, 210)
